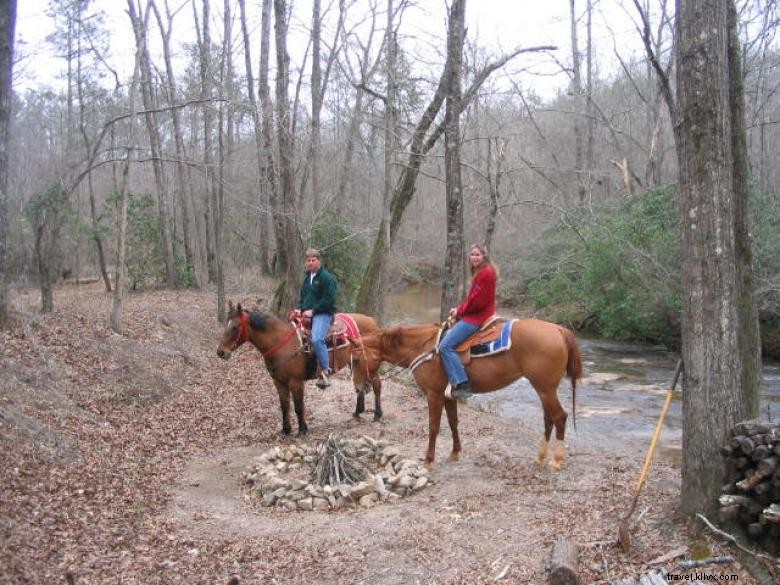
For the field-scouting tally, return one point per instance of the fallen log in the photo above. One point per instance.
(563, 563)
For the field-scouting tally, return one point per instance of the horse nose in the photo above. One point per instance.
(220, 353)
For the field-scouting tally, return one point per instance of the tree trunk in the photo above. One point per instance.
(7, 27)
(140, 27)
(749, 333)
(712, 402)
(264, 235)
(268, 174)
(576, 90)
(225, 152)
(117, 310)
(210, 207)
(494, 185)
(190, 225)
(372, 299)
(453, 262)
(290, 252)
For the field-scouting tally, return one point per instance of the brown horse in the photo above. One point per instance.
(542, 352)
(289, 366)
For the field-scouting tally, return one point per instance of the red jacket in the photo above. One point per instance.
(480, 305)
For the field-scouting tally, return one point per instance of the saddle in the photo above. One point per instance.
(491, 338)
(341, 330)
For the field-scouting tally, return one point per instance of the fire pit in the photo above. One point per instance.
(336, 473)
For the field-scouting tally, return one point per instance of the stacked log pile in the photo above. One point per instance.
(751, 498)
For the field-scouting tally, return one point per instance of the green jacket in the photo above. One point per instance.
(320, 294)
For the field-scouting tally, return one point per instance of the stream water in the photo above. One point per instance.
(621, 395)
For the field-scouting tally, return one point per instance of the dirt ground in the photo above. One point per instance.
(122, 459)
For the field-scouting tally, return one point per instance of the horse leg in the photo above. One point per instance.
(297, 393)
(376, 384)
(284, 403)
(451, 406)
(435, 405)
(553, 409)
(548, 425)
(360, 403)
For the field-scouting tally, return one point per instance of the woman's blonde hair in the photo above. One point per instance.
(487, 259)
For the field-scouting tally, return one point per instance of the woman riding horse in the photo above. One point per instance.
(542, 352)
(289, 366)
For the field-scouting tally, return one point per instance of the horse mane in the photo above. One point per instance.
(393, 338)
(258, 321)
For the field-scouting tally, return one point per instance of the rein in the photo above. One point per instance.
(423, 357)
(279, 345)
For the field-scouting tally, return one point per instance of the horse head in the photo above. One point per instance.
(236, 331)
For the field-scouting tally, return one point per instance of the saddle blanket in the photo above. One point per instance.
(502, 343)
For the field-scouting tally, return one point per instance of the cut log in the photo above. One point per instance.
(752, 427)
(563, 563)
(772, 514)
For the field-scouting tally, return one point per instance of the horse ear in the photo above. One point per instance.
(230, 306)
(238, 307)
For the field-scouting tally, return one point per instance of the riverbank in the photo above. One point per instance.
(124, 458)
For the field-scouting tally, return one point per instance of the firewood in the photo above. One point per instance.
(760, 452)
(563, 563)
(751, 427)
(746, 445)
(728, 514)
(772, 514)
(755, 530)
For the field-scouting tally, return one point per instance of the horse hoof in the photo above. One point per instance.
(555, 465)
(377, 417)
(454, 457)
(285, 432)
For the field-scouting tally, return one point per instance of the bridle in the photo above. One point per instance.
(242, 336)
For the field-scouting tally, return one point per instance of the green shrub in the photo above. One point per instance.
(145, 260)
(344, 255)
(617, 269)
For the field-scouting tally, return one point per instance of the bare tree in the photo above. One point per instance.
(140, 27)
(210, 207)
(117, 310)
(374, 297)
(711, 320)
(453, 260)
(259, 147)
(183, 180)
(420, 145)
(290, 251)
(576, 91)
(7, 28)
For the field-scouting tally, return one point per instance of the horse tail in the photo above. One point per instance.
(573, 367)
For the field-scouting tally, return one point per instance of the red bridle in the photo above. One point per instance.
(243, 335)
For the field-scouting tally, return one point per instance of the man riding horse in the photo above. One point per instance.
(318, 301)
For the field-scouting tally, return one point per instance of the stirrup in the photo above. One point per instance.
(323, 381)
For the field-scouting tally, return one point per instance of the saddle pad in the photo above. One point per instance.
(344, 326)
(484, 334)
(502, 343)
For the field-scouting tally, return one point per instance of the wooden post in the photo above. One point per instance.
(563, 563)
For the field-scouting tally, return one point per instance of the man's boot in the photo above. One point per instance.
(324, 380)
(462, 391)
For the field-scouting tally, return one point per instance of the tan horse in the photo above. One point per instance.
(289, 366)
(542, 352)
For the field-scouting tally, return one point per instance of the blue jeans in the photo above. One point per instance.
(319, 329)
(449, 357)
